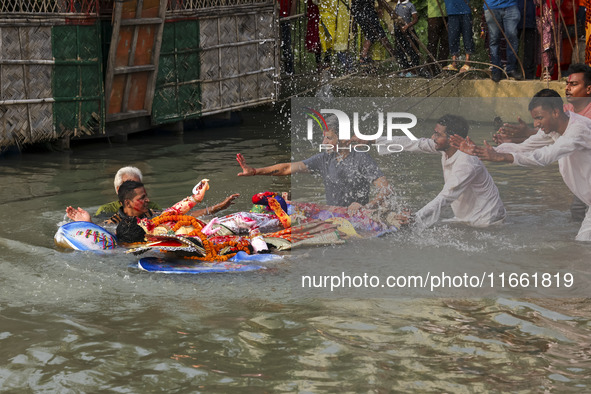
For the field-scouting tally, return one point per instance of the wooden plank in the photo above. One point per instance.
(238, 44)
(141, 21)
(55, 19)
(256, 29)
(246, 104)
(112, 55)
(238, 69)
(26, 83)
(134, 69)
(131, 58)
(201, 80)
(25, 61)
(219, 84)
(126, 115)
(150, 89)
(27, 101)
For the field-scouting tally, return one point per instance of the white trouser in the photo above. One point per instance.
(585, 230)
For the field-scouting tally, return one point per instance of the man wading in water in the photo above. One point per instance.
(562, 136)
(468, 188)
(347, 175)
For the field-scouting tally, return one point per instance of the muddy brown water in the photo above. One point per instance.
(81, 322)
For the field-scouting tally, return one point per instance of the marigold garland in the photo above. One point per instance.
(212, 251)
(172, 217)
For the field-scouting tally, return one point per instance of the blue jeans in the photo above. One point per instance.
(508, 18)
(456, 25)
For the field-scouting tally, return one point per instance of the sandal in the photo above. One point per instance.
(465, 68)
(450, 67)
(365, 61)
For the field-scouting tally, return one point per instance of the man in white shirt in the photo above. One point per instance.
(562, 136)
(578, 97)
(468, 188)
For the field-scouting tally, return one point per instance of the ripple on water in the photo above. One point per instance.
(80, 322)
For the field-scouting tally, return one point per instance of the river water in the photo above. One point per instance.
(80, 322)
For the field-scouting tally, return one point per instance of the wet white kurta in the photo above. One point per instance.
(572, 150)
(468, 188)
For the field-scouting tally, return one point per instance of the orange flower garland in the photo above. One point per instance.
(171, 217)
(212, 251)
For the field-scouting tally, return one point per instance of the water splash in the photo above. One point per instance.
(325, 90)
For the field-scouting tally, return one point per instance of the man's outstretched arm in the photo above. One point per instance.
(486, 152)
(514, 132)
(280, 169)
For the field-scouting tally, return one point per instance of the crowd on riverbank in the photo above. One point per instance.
(517, 38)
(561, 133)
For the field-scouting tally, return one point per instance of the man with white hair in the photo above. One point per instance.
(134, 174)
(128, 173)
